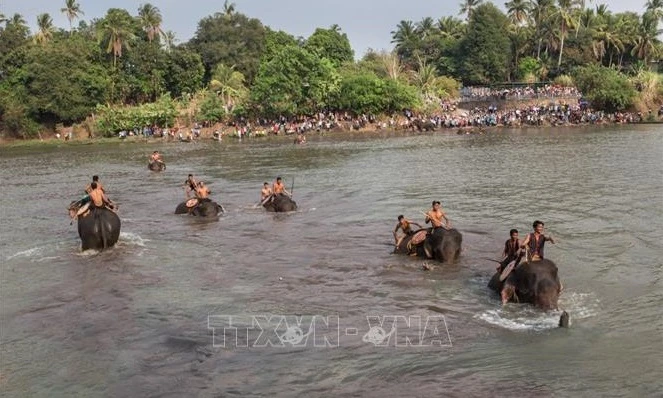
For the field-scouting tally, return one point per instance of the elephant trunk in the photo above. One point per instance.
(564, 320)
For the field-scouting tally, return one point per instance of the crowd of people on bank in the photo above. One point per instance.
(559, 105)
(469, 94)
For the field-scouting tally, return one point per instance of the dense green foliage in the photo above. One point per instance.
(604, 87)
(121, 67)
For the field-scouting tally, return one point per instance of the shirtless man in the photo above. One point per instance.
(435, 217)
(98, 197)
(190, 185)
(202, 192)
(156, 157)
(265, 192)
(404, 225)
(95, 179)
(279, 188)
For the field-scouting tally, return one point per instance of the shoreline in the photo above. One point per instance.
(372, 130)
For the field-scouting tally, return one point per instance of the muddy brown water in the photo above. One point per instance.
(135, 320)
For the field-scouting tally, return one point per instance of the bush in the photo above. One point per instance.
(211, 108)
(528, 67)
(605, 88)
(564, 81)
(110, 120)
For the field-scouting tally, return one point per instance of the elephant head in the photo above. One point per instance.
(280, 203)
(443, 245)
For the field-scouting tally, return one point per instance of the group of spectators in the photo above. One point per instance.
(470, 94)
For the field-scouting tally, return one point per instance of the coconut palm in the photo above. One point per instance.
(450, 27)
(228, 84)
(150, 19)
(45, 28)
(517, 11)
(117, 31)
(539, 12)
(169, 40)
(72, 10)
(564, 14)
(228, 9)
(406, 39)
(646, 44)
(655, 7)
(425, 27)
(468, 6)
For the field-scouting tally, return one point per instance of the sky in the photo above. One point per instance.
(367, 23)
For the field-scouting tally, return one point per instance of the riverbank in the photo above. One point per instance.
(229, 134)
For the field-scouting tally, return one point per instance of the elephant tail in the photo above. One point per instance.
(102, 229)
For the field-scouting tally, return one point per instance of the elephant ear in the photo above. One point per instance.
(507, 270)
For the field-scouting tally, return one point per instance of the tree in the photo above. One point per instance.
(117, 30)
(72, 10)
(517, 11)
(487, 49)
(169, 40)
(331, 44)
(468, 7)
(564, 15)
(150, 19)
(228, 9)
(228, 84)
(275, 41)
(451, 28)
(604, 87)
(406, 39)
(45, 28)
(646, 41)
(656, 8)
(293, 82)
(540, 10)
(230, 40)
(184, 72)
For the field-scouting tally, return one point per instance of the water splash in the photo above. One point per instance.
(131, 239)
(35, 251)
(524, 317)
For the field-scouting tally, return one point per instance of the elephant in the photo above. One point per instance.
(534, 282)
(442, 244)
(424, 125)
(156, 166)
(280, 203)
(201, 208)
(99, 229)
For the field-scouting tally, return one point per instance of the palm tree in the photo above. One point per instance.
(646, 41)
(72, 10)
(425, 27)
(45, 28)
(392, 64)
(564, 15)
(228, 84)
(169, 40)
(517, 10)
(656, 7)
(450, 27)
(406, 39)
(539, 11)
(150, 19)
(228, 9)
(467, 6)
(117, 32)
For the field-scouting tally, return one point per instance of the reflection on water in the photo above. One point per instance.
(133, 320)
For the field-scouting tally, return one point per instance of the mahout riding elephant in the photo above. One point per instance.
(199, 208)
(442, 244)
(156, 166)
(534, 282)
(280, 203)
(98, 229)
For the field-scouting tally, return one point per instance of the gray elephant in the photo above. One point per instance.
(156, 165)
(440, 244)
(535, 282)
(98, 228)
(280, 203)
(199, 208)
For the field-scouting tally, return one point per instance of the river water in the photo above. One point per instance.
(147, 317)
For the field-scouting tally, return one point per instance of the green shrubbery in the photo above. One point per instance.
(109, 120)
(605, 88)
